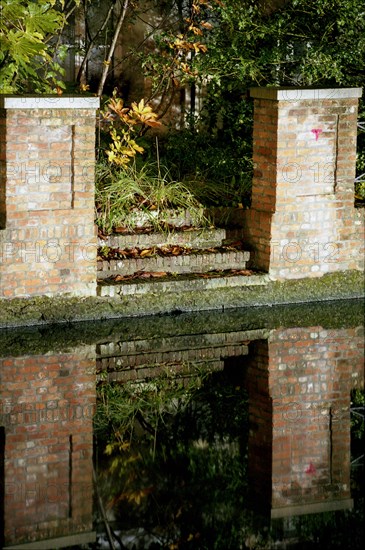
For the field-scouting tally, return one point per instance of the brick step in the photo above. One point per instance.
(197, 262)
(220, 216)
(143, 372)
(178, 284)
(157, 357)
(171, 344)
(173, 217)
(196, 238)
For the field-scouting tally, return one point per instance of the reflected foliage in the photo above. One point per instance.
(178, 465)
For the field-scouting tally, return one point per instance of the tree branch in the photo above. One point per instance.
(112, 47)
(91, 43)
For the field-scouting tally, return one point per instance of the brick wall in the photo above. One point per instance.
(46, 407)
(302, 221)
(299, 404)
(47, 236)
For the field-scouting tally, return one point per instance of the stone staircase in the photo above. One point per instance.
(183, 259)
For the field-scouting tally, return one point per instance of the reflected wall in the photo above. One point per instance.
(299, 382)
(47, 404)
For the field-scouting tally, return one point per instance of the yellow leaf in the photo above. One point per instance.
(147, 252)
(109, 449)
(111, 156)
(196, 31)
(136, 147)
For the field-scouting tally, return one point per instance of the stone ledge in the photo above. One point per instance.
(48, 102)
(43, 311)
(195, 238)
(301, 94)
(312, 508)
(180, 284)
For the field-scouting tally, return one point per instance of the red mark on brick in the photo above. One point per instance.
(316, 132)
(310, 469)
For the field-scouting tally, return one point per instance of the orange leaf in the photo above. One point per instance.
(118, 278)
(121, 230)
(153, 123)
(206, 25)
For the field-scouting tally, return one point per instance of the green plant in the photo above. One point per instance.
(217, 171)
(127, 196)
(360, 185)
(120, 405)
(30, 54)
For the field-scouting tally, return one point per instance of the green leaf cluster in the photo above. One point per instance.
(29, 53)
(292, 42)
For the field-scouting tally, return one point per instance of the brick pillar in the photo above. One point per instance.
(302, 222)
(47, 236)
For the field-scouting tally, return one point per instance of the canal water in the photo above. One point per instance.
(239, 429)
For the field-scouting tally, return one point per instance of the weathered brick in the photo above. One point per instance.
(303, 171)
(41, 196)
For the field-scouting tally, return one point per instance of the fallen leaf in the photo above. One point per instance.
(121, 230)
(118, 278)
(150, 274)
(243, 272)
(159, 274)
(147, 252)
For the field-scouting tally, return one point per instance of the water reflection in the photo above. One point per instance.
(251, 447)
(47, 404)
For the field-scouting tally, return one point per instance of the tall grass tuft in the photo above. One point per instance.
(127, 197)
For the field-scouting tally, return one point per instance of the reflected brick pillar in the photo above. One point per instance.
(46, 410)
(299, 405)
(302, 221)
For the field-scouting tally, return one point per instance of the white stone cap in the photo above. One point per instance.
(299, 94)
(48, 102)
